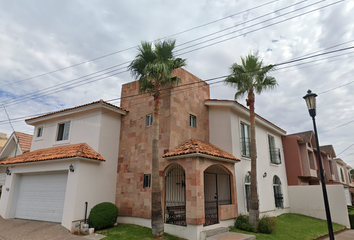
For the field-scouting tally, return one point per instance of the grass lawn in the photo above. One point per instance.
(131, 232)
(294, 226)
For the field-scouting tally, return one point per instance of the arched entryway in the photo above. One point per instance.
(175, 195)
(217, 191)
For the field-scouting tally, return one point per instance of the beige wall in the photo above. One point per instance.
(135, 151)
(308, 200)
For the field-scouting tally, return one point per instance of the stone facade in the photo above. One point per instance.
(135, 146)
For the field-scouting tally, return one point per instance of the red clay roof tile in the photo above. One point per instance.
(69, 151)
(84, 105)
(197, 146)
(25, 141)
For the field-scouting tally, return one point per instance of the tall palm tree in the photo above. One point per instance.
(153, 67)
(251, 77)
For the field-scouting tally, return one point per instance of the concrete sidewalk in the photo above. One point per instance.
(345, 235)
(19, 229)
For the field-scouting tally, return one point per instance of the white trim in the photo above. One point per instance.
(73, 111)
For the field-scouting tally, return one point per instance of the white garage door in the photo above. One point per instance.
(41, 197)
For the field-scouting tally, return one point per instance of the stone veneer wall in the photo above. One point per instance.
(135, 141)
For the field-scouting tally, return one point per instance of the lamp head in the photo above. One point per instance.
(310, 99)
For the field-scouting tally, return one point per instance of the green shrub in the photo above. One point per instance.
(103, 215)
(242, 222)
(351, 216)
(266, 225)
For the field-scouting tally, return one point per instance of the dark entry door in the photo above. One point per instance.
(211, 198)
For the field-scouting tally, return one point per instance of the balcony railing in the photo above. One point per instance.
(246, 147)
(275, 155)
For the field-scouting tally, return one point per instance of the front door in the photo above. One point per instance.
(211, 199)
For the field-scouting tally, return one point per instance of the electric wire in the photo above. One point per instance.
(39, 91)
(134, 47)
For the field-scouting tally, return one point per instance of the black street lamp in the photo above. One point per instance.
(310, 98)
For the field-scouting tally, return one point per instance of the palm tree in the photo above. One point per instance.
(153, 67)
(251, 77)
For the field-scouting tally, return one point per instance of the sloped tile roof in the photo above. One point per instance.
(25, 141)
(197, 146)
(69, 151)
(80, 106)
(306, 136)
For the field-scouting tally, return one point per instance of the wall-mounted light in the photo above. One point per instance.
(71, 168)
(8, 172)
(264, 174)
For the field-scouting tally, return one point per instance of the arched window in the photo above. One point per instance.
(278, 195)
(248, 189)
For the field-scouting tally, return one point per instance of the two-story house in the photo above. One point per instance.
(300, 158)
(73, 160)
(230, 130)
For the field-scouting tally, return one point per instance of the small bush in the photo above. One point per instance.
(103, 215)
(266, 225)
(242, 222)
(351, 216)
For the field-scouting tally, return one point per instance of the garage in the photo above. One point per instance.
(41, 197)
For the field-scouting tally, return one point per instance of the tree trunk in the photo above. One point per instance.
(157, 224)
(254, 202)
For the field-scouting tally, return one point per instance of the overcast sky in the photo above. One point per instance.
(39, 37)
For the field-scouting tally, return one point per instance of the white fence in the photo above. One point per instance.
(308, 200)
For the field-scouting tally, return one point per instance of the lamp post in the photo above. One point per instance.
(310, 98)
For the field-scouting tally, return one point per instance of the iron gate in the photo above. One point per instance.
(211, 199)
(175, 198)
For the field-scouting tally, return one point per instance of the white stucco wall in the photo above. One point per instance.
(220, 135)
(84, 127)
(308, 200)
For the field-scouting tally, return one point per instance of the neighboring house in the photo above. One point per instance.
(17, 144)
(73, 160)
(230, 130)
(198, 179)
(345, 180)
(3, 140)
(300, 158)
(329, 164)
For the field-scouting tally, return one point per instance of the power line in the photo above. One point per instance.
(134, 47)
(227, 39)
(344, 124)
(242, 23)
(345, 149)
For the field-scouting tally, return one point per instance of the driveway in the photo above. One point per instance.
(11, 229)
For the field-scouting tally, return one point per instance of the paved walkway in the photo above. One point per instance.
(11, 229)
(345, 235)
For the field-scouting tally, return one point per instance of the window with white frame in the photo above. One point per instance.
(248, 190)
(278, 194)
(192, 121)
(245, 140)
(274, 152)
(147, 180)
(39, 132)
(63, 131)
(148, 121)
(341, 175)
